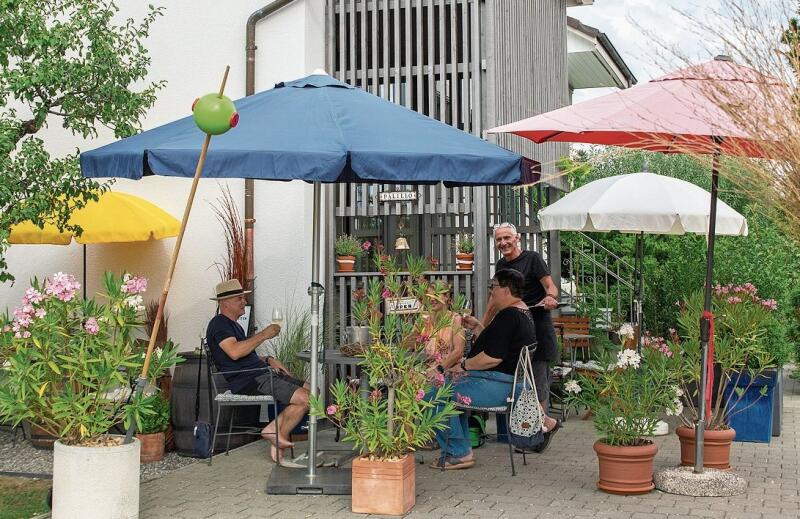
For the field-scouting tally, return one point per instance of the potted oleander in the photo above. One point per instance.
(152, 425)
(465, 252)
(72, 365)
(627, 399)
(742, 360)
(347, 249)
(404, 408)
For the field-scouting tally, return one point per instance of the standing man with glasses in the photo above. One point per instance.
(541, 295)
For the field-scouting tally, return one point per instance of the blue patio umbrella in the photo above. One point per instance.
(316, 129)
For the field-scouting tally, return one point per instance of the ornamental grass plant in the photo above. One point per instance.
(404, 408)
(70, 362)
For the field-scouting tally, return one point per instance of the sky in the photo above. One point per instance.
(632, 26)
(626, 23)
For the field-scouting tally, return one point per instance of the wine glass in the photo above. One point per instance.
(277, 316)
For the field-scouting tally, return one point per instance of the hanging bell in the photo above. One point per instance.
(401, 244)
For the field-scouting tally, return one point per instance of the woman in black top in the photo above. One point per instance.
(488, 372)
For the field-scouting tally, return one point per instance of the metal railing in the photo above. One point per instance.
(596, 280)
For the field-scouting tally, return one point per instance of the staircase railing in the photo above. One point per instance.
(595, 280)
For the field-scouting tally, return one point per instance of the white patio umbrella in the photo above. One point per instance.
(640, 203)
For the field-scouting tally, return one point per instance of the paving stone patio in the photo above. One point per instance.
(558, 483)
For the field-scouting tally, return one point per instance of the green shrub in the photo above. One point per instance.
(347, 245)
(155, 415)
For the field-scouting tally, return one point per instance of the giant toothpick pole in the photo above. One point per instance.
(142, 380)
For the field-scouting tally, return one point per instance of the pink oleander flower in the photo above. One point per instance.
(331, 410)
(367, 245)
(438, 380)
(422, 338)
(386, 294)
(91, 326)
(22, 335)
(463, 399)
(40, 312)
(438, 357)
(32, 296)
(420, 394)
(769, 304)
(734, 300)
(63, 286)
(375, 395)
(133, 284)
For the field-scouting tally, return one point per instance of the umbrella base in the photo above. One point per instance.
(291, 481)
(711, 483)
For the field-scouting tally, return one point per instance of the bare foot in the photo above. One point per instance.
(283, 443)
(276, 454)
(549, 423)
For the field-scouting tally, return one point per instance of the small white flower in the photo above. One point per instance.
(678, 392)
(626, 331)
(135, 302)
(572, 387)
(628, 358)
(676, 409)
(158, 352)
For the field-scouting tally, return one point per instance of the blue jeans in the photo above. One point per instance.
(485, 389)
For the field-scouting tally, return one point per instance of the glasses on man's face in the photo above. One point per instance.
(492, 286)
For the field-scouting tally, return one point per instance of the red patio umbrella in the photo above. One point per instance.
(686, 111)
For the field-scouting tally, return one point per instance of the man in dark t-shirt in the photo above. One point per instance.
(541, 295)
(233, 351)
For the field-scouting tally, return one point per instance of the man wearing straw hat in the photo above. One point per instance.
(234, 351)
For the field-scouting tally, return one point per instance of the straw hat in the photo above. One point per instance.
(228, 289)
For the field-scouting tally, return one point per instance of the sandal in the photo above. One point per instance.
(451, 463)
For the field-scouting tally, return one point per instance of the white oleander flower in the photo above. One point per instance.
(627, 358)
(626, 331)
(572, 387)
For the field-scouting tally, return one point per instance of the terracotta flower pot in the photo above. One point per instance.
(716, 447)
(384, 487)
(625, 470)
(345, 263)
(152, 447)
(464, 260)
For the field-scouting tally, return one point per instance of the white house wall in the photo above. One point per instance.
(190, 47)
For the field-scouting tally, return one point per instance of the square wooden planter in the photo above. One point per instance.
(384, 487)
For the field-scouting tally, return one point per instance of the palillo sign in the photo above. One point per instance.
(397, 196)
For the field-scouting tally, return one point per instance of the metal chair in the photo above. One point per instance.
(233, 400)
(504, 410)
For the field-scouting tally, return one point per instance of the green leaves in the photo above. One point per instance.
(394, 418)
(69, 63)
(68, 377)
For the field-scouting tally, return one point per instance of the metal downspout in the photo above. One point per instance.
(249, 185)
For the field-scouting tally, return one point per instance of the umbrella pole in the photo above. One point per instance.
(637, 290)
(315, 291)
(141, 382)
(84, 271)
(705, 321)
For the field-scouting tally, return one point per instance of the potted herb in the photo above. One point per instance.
(742, 361)
(627, 400)
(153, 422)
(465, 252)
(403, 409)
(72, 364)
(347, 249)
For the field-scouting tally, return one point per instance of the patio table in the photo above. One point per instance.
(337, 358)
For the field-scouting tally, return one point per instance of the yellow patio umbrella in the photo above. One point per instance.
(113, 218)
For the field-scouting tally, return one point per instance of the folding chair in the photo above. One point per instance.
(233, 400)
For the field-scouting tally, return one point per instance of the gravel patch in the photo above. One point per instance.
(22, 457)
